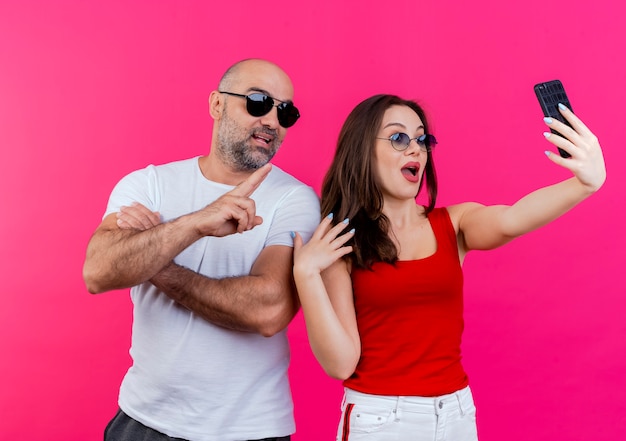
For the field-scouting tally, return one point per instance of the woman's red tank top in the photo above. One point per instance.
(410, 320)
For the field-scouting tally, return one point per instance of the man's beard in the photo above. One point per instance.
(243, 157)
(235, 150)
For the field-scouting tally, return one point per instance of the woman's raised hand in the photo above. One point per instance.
(587, 161)
(326, 246)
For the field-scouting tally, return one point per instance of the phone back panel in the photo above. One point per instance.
(550, 94)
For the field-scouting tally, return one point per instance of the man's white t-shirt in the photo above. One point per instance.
(189, 378)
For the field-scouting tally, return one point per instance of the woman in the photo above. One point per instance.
(380, 281)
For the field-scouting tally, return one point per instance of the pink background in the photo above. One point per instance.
(92, 90)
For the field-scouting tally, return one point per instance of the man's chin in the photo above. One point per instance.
(260, 157)
(252, 164)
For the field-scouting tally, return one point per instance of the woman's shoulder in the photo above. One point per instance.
(457, 211)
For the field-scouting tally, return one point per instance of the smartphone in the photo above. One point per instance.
(550, 94)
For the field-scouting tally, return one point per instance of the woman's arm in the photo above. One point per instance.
(486, 227)
(325, 290)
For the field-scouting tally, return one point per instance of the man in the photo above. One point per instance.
(205, 244)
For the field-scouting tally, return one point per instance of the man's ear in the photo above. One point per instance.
(216, 105)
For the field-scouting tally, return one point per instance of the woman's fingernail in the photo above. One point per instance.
(562, 106)
(547, 134)
(330, 216)
(346, 220)
(351, 231)
(547, 153)
(292, 234)
(547, 120)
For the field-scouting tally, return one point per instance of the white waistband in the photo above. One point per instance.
(461, 400)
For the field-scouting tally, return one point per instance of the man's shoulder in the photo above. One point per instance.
(167, 167)
(177, 165)
(279, 177)
(284, 188)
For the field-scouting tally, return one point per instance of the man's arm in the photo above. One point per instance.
(263, 301)
(120, 258)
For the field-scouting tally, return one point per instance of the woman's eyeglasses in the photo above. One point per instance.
(259, 104)
(401, 141)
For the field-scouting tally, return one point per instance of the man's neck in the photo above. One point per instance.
(215, 169)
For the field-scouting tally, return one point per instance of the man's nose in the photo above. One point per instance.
(270, 119)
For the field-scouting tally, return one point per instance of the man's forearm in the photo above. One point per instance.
(119, 258)
(247, 303)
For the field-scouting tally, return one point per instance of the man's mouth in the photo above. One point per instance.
(262, 137)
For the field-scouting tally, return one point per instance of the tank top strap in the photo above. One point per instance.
(444, 230)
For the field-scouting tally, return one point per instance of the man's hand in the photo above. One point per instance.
(138, 217)
(132, 246)
(235, 211)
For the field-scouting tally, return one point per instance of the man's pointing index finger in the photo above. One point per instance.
(247, 187)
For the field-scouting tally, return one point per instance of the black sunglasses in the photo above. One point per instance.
(259, 104)
(401, 141)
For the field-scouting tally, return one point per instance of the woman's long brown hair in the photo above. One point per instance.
(350, 189)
